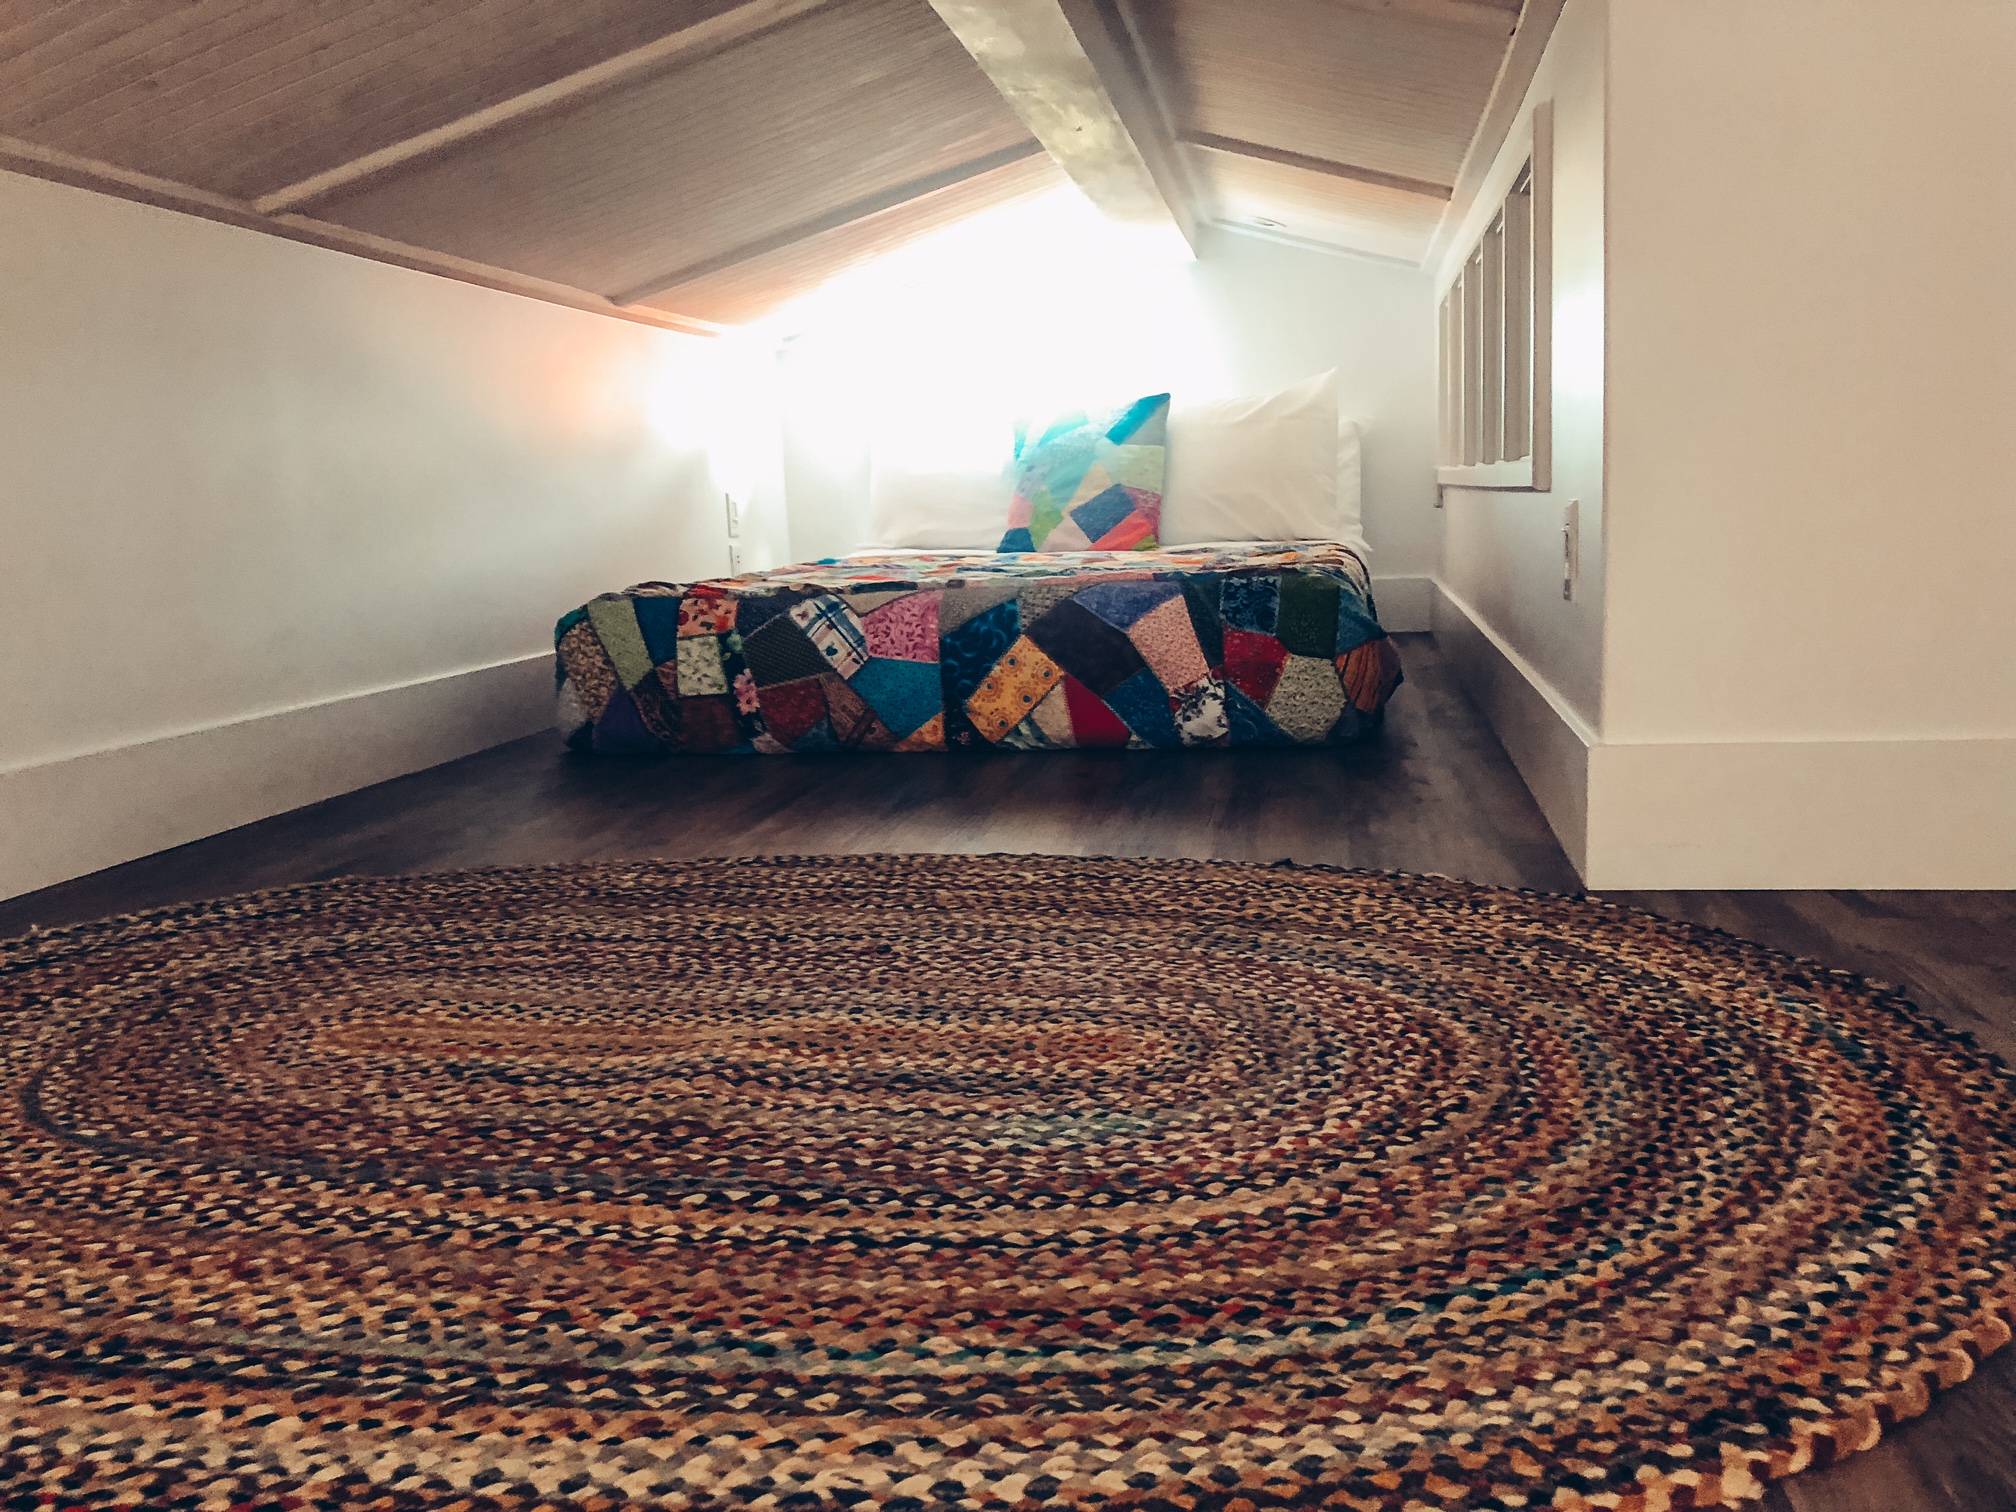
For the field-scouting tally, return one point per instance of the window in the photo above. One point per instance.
(1496, 318)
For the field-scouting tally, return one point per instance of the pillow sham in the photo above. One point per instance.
(1263, 467)
(925, 508)
(1090, 482)
(1350, 481)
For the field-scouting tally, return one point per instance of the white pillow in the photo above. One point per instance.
(1350, 482)
(1263, 467)
(910, 506)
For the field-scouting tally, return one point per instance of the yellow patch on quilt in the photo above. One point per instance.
(1370, 673)
(929, 736)
(1017, 684)
(589, 668)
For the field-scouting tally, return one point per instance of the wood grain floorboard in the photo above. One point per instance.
(1433, 792)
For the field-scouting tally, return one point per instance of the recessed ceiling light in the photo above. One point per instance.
(1270, 224)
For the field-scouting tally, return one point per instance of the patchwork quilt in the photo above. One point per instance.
(1266, 645)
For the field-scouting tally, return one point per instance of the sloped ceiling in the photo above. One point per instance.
(1345, 122)
(701, 161)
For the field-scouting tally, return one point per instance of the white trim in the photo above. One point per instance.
(275, 712)
(1788, 814)
(1769, 814)
(67, 168)
(1488, 475)
(1305, 244)
(1548, 741)
(77, 814)
(1535, 28)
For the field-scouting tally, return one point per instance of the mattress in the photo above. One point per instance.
(1248, 645)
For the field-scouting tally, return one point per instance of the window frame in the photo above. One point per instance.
(1490, 303)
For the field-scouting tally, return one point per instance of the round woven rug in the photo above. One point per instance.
(980, 1182)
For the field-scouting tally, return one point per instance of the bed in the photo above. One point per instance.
(1248, 645)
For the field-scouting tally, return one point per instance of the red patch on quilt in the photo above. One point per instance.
(792, 708)
(1130, 532)
(707, 724)
(1253, 663)
(1092, 723)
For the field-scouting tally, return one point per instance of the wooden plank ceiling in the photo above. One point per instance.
(1343, 121)
(694, 162)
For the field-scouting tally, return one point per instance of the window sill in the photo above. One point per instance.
(1490, 475)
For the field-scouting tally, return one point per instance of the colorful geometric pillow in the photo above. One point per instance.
(1090, 482)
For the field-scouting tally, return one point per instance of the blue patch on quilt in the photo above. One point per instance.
(818, 738)
(903, 694)
(1143, 706)
(1250, 603)
(1135, 416)
(1355, 624)
(658, 622)
(966, 656)
(1018, 539)
(619, 732)
(1201, 597)
(1249, 722)
(1121, 604)
(1102, 512)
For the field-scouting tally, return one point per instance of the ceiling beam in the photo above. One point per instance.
(691, 44)
(1146, 57)
(1478, 15)
(1233, 147)
(1069, 70)
(147, 189)
(833, 220)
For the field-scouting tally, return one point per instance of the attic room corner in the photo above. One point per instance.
(291, 507)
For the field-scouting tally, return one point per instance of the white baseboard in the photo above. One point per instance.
(1875, 814)
(1405, 603)
(1547, 740)
(65, 818)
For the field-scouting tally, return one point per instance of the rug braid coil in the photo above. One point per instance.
(975, 1182)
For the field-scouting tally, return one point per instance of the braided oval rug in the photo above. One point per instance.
(992, 1182)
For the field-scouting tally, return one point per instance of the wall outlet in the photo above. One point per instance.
(1571, 548)
(734, 559)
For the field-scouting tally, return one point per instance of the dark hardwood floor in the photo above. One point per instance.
(1434, 792)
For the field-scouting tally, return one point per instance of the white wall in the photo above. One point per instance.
(1810, 669)
(1284, 312)
(1806, 674)
(276, 522)
(1250, 315)
(1536, 659)
(1815, 334)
